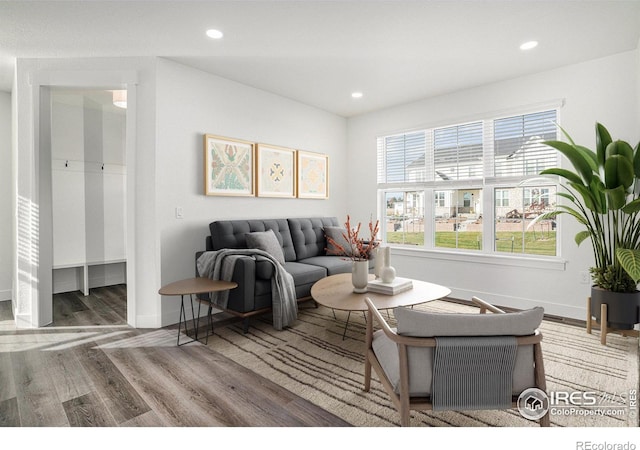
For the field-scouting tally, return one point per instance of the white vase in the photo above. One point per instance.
(360, 276)
(387, 273)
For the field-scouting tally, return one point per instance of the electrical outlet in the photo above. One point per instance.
(179, 213)
(585, 278)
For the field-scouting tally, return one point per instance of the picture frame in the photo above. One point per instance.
(313, 175)
(228, 166)
(275, 171)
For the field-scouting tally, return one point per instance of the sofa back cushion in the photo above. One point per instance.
(308, 235)
(232, 234)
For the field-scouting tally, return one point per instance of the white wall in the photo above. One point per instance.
(604, 90)
(5, 197)
(191, 103)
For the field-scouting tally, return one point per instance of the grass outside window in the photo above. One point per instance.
(535, 243)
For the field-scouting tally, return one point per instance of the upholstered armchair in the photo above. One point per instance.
(438, 361)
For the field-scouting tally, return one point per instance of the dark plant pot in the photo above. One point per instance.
(622, 307)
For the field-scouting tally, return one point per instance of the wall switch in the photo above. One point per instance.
(179, 213)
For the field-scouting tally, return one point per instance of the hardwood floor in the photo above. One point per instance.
(92, 370)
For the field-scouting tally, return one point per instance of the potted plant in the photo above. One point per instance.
(603, 192)
(358, 249)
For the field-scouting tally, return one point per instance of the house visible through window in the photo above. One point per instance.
(502, 197)
(453, 170)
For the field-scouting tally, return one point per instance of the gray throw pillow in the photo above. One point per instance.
(267, 241)
(337, 234)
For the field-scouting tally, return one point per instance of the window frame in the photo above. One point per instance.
(487, 184)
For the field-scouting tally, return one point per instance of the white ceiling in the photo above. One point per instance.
(318, 52)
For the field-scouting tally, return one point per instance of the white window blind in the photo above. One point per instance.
(518, 147)
(458, 152)
(403, 157)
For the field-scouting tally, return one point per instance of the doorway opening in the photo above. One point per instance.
(89, 206)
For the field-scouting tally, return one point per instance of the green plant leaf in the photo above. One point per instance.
(564, 173)
(630, 262)
(569, 138)
(589, 156)
(575, 156)
(619, 148)
(569, 197)
(581, 236)
(618, 171)
(636, 160)
(603, 139)
(632, 207)
(572, 212)
(616, 198)
(587, 196)
(598, 191)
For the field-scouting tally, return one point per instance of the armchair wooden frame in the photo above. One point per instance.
(402, 401)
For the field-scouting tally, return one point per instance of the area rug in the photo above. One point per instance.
(312, 360)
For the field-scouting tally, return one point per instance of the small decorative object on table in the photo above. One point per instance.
(391, 288)
(359, 250)
(387, 272)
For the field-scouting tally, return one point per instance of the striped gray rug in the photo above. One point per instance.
(312, 360)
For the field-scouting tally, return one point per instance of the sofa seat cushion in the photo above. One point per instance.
(332, 264)
(304, 273)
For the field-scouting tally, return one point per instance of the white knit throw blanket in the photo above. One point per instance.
(219, 265)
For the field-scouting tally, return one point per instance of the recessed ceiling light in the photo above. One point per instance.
(529, 45)
(356, 94)
(215, 34)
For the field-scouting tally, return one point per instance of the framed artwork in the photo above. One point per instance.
(275, 171)
(313, 175)
(228, 166)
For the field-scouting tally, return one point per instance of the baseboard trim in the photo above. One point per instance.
(5, 295)
(565, 312)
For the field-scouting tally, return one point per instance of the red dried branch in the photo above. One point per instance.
(360, 249)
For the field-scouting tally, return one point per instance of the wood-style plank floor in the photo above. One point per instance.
(89, 369)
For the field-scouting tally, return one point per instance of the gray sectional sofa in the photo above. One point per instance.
(304, 246)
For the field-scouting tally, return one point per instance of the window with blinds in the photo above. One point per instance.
(459, 187)
(458, 152)
(518, 144)
(403, 158)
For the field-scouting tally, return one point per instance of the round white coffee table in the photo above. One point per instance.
(336, 292)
